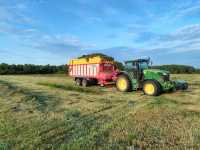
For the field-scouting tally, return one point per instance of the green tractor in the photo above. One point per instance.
(138, 75)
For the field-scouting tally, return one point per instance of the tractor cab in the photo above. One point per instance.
(136, 68)
(138, 64)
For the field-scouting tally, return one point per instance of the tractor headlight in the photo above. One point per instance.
(164, 74)
(165, 77)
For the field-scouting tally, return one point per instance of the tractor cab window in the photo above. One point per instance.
(131, 65)
(143, 65)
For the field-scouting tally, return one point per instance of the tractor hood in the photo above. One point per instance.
(156, 71)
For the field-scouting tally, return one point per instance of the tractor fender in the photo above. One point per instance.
(123, 73)
(152, 80)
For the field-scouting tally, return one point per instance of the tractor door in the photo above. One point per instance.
(132, 69)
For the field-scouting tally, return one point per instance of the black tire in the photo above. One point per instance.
(185, 87)
(78, 82)
(93, 82)
(127, 82)
(157, 88)
(85, 82)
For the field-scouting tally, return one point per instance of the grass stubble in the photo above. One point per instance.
(50, 112)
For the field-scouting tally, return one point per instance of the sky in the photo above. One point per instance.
(55, 31)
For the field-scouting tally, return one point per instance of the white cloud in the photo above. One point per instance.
(191, 9)
(15, 14)
(179, 10)
(15, 21)
(61, 41)
(183, 39)
(57, 44)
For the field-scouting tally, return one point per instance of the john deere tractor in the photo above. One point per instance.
(138, 75)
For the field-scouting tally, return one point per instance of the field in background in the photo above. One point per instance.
(51, 112)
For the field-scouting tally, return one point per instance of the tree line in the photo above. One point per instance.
(178, 69)
(31, 69)
(51, 69)
(63, 69)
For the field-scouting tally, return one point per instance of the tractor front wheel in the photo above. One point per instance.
(123, 84)
(151, 88)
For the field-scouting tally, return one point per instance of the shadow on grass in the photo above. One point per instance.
(70, 88)
(42, 101)
(161, 101)
(76, 131)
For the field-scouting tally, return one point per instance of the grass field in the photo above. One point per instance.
(50, 112)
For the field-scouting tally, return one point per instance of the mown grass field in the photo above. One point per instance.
(50, 112)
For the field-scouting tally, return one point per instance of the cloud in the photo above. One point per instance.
(186, 33)
(189, 9)
(160, 56)
(16, 21)
(56, 44)
(183, 39)
(15, 13)
(109, 12)
(145, 36)
(9, 29)
(60, 44)
(181, 46)
(177, 11)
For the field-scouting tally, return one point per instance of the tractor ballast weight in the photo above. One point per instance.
(138, 75)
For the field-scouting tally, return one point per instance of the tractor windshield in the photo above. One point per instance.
(137, 64)
(143, 65)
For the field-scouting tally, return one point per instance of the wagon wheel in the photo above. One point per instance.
(78, 82)
(85, 82)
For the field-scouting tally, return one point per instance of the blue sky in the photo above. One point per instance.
(52, 32)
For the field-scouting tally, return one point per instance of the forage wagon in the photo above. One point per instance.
(94, 70)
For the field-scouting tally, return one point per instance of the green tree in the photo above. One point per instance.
(177, 69)
(31, 69)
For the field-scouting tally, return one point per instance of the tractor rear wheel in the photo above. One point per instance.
(151, 88)
(78, 82)
(123, 84)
